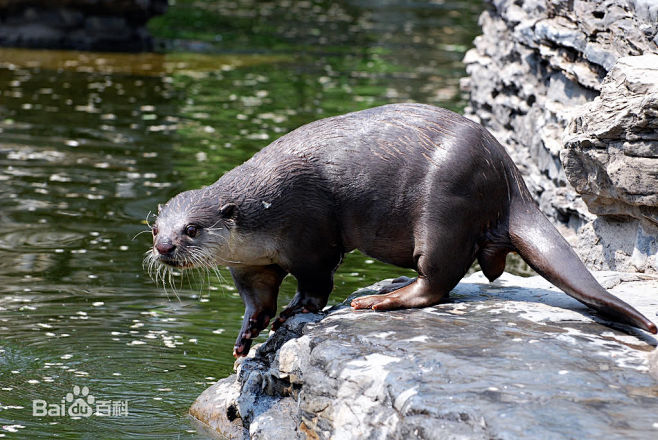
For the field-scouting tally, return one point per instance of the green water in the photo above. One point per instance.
(91, 143)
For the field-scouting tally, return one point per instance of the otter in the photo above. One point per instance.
(412, 185)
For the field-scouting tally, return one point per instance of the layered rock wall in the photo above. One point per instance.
(544, 65)
(112, 25)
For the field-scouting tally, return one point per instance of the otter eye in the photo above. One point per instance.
(191, 231)
(154, 230)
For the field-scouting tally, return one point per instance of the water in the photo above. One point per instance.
(90, 143)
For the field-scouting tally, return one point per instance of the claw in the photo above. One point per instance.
(251, 329)
(278, 323)
(242, 349)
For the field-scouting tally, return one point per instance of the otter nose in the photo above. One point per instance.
(165, 247)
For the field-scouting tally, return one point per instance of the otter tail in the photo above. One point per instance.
(548, 253)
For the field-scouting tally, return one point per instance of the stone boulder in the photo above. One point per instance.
(112, 25)
(515, 359)
(538, 66)
(611, 159)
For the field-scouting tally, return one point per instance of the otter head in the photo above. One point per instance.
(192, 230)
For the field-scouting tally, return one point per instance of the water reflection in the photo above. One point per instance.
(87, 149)
(90, 143)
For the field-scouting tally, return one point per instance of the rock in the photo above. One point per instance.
(611, 157)
(216, 409)
(106, 25)
(619, 155)
(78, 24)
(653, 364)
(539, 65)
(514, 359)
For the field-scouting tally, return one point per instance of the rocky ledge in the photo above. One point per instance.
(513, 359)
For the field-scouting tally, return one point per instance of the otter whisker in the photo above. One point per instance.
(218, 275)
(162, 270)
(190, 260)
(203, 260)
(226, 262)
(155, 268)
(149, 264)
(216, 271)
(164, 274)
(189, 280)
(140, 233)
(146, 260)
(147, 219)
(199, 279)
(170, 277)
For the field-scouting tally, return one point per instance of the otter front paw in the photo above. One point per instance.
(242, 346)
(251, 328)
(299, 304)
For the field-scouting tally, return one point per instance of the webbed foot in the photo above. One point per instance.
(411, 295)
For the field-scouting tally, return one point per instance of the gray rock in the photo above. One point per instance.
(647, 12)
(600, 55)
(69, 18)
(610, 159)
(515, 359)
(538, 65)
(560, 31)
(216, 409)
(106, 25)
(653, 364)
(118, 25)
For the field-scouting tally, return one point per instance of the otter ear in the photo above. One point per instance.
(229, 211)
